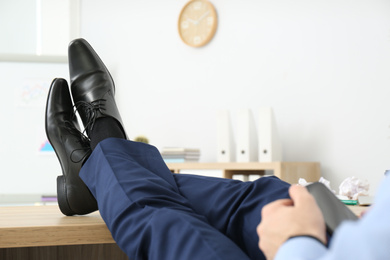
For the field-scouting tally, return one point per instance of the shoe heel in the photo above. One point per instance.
(62, 197)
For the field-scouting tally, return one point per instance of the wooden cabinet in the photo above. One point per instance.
(287, 171)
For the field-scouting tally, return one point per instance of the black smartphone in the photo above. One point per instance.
(333, 210)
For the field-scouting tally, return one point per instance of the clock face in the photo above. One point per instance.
(197, 22)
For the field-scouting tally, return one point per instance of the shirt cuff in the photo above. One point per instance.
(301, 248)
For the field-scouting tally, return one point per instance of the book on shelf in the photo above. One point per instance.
(49, 198)
(179, 154)
(179, 150)
(178, 160)
(225, 139)
(246, 145)
(270, 146)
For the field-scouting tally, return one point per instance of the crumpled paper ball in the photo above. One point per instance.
(353, 187)
(324, 181)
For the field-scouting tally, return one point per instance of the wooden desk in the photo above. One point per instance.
(287, 171)
(44, 233)
(358, 210)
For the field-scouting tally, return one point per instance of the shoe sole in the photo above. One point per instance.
(62, 197)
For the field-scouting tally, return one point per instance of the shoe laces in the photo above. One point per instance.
(85, 149)
(91, 110)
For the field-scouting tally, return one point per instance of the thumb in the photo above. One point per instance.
(301, 196)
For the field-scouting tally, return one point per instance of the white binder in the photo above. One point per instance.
(247, 144)
(225, 140)
(270, 148)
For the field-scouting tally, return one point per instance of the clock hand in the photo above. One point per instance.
(192, 21)
(203, 16)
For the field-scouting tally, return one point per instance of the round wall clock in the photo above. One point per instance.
(197, 23)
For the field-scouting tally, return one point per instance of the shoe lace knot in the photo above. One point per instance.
(91, 111)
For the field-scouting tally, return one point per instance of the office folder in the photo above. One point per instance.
(270, 148)
(246, 137)
(225, 139)
(333, 210)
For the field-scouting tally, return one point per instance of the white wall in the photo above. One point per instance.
(322, 65)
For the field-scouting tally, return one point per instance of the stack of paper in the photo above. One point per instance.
(179, 154)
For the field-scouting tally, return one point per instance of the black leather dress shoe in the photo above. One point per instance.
(72, 150)
(92, 86)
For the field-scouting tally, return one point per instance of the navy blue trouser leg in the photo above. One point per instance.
(143, 209)
(231, 206)
(154, 214)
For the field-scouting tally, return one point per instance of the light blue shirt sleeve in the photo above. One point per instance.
(367, 238)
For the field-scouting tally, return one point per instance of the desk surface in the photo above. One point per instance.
(46, 226)
(358, 210)
(34, 226)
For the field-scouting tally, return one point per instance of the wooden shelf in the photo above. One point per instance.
(286, 171)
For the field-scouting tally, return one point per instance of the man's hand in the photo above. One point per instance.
(285, 218)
